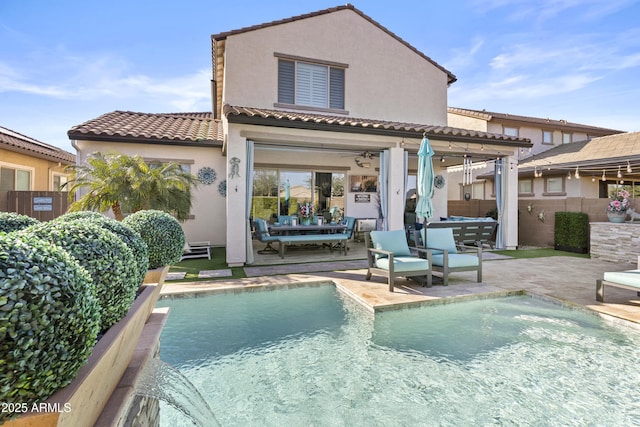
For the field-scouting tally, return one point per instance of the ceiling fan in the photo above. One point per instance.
(361, 159)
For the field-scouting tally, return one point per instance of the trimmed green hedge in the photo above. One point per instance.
(109, 262)
(571, 232)
(129, 237)
(49, 319)
(162, 233)
(10, 221)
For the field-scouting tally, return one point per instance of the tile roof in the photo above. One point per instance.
(14, 141)
(611, 149)
(267, 117)
(123, 126)
(221, 36)
(488, 116)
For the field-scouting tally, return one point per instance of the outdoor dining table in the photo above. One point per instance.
(316, 228)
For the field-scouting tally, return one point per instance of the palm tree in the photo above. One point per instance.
(120, 182)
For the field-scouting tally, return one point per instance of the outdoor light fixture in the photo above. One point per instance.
(593, 178)
(628, 167)
(604, 178)
(569, 175)
(577, 173)
(619, 173)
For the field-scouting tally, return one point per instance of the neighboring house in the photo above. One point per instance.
(590, 169)
(544, 134)
(331, 101)
(28, 165)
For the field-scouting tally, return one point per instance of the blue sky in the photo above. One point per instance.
(68, 61)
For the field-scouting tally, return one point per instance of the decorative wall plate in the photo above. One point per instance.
(222, 188)
(207, 175)
(438, 181)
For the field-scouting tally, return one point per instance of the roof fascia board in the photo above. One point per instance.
(295, 124)
(201, 143)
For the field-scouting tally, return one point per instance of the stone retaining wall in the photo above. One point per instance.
(614, 242)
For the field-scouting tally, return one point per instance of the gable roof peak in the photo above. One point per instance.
(451, 78)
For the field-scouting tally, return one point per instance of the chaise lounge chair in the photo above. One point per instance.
(388, 255)
(628, 279)
(448, 256)
(196, 250)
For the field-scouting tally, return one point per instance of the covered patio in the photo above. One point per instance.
(278, 143)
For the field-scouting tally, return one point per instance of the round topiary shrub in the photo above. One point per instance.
(128, 236)
(10, 221)
(162, 233)
(106, 258)
(49, 319)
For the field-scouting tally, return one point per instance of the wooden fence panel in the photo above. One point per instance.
(41, 205)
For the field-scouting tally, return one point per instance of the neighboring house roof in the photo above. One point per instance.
(163, 128)
(14, 141)
(221, 36)
(290, 119)
(606, 152)
(541, 122)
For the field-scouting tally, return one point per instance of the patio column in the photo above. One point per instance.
(236, 199)
(511, 198)
(396, 181)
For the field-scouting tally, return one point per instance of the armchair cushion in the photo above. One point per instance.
(391, 241)
(457, 260)
(403, 264)
(441, 238)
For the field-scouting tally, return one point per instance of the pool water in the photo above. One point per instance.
(310, 356)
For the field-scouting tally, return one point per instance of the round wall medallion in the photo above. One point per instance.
(438, 181)
(206, 175)
(222, 188)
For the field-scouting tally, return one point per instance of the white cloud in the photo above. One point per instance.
(106, 77)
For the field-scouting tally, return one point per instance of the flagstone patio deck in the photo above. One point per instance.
(569, 279)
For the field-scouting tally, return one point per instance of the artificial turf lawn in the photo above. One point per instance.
(217, 262)
(539, 253)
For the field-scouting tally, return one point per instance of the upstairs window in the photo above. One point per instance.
(511, 131)
(547, 137)
(567, 138)
(310, 84)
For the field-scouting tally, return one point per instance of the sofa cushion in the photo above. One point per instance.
(391, 241)
(628, 277)
(456, 260)
(403, 264)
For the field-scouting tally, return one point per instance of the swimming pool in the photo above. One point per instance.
(310, 356)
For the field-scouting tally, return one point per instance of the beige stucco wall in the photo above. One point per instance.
(42, 170)
(466, 122)
(534, 133)
(384, 79)
(209, 222)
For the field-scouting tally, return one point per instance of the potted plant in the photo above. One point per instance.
(618, 206)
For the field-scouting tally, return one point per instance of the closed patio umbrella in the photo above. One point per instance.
(424, 182)
(287, 196)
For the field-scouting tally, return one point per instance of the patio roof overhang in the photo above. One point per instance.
(344, 124)
(627, 166)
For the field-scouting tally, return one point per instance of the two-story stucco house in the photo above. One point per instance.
(309, 109)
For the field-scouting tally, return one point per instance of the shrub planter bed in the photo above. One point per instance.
(81, 402)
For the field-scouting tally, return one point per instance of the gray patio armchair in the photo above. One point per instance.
(262, 234)
(447, 256)
(389, 255)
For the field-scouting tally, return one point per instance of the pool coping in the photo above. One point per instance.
(287, 282)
